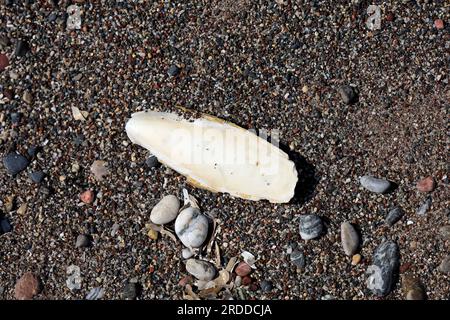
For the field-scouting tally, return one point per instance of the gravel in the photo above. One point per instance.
(260, 64)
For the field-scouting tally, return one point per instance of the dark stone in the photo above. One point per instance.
(5, 226)
(52, 17)
(266, 285)
(152, 162)
(83, 241)
(15, 117)
(22, 48)
(173, 71)
(383, 273)
(424, 207)
(298, 258)
(37, 176)
(15, 163)
(348, 94)
(394, 215)
(33, 151)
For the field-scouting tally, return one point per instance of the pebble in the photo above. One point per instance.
(242, 269)
(99, 169)
(356, 259)
(445, 265)
(246, 281)
(15, 163)
(95, 294)
(83, 241)
(22, 48)
(185, 280)
(173, 70)
(22, 209)
(424, 207)
(445, 232)
(130, 291)
(413, 288)
(15, 117)
(200, 269)
(4, 62)
(33, 151)
(186, 253)
(37, 176)
(191, 227)
(393, 216)
(87, 197)
(374, 184)
(310, 226)
(348, 94)
(5, 226)
(349, 238)
(27, 97)
(152, 162)
(426, 184)
(439, 24)
(382, 273)
(266, 285)
(27, 287)
(152, 234)
(166, 210)
(298, 259)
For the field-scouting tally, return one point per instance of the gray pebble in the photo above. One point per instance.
(152, 162)
(130, 291)
(166, 210)
(173, 71)
(424, 207)
(298, 259)
(5, 226)
(348, 94)
(95, 294)
(83, 241)
(37, 176)
(186, 253)
(445, 265)
(266, 285)
(200, 269)
(15, 163)
(310, 226)
(445, 232)
(349, 238)
(384, 269)
(394, 215)
(374, 184)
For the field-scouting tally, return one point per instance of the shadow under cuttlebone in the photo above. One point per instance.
(307, 176)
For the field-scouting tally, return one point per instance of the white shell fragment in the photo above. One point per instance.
(216, 155)
(165, 210)
(191, 226)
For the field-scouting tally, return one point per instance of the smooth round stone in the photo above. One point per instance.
(394, 215)
(310, 226)
(191, 227)
(349, 238)
(424, 207)
(186, 253)
(298, 259)
(165, 210)
(173, 70)
(243, 269)
(445, 232)
(200, 269)
(445, 265)
(374, 184)
(37, 176)
(266, 285)
(15, 163)
(83, 241)
(385, 266)
(348, 94)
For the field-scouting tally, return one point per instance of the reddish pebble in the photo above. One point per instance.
(4, 62)
(185, 280)
(390, 17)
(87, 196)
(26, 287)
(243, 269)
(439, 24)
(426, 184)
(246, 281)
(405, 267)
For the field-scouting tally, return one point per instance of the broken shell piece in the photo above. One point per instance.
(191, 227)
(79, 115)
(249, 259)
(216, 155)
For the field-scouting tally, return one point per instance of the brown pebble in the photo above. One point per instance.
(412, 287)
(243, 269)
(27, 287)
(439, 24)
(246, 281)
(185, 280)
(356, 259)
(405, 267)
(87, 196)
(4, 62)
(390, 17)
(426, 184)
